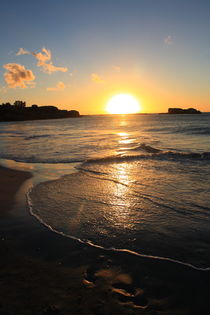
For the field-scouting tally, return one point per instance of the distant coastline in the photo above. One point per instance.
(19, 112)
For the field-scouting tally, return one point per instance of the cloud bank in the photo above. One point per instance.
(43, 60)
(17, 76)
(59, 86)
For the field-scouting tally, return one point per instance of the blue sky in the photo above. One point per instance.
(161, 46)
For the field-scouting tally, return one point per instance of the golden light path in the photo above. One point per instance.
(123, 104)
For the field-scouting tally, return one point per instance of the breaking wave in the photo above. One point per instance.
(152, 153)
(140, 152)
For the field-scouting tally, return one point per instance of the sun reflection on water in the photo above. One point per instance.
(120, 215)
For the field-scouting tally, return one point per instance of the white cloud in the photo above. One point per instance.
(17, 76)
(168, 40)
(59, 86)
(96, 78)
(44, 60)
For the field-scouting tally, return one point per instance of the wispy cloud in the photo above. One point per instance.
(17, 76)
(22, 51)
(50, 68)
(96, 78)
(44, 60)
(168, 40)
(59, 86)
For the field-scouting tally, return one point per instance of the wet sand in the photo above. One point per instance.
(44, 273)
(10, 181)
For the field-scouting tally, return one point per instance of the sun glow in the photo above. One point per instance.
(123, 104)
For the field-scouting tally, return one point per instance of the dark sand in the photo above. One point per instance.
(42, 273)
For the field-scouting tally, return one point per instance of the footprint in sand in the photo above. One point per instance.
(119, 283)
(128, 295)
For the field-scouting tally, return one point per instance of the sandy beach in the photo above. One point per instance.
(44, 273)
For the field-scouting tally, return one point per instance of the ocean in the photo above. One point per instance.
(136, 183)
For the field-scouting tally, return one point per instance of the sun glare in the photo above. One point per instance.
(123, 104)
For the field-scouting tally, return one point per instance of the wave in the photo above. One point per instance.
(122, 250)
(185, 130)
(196, 130)
(152, 153)
(140, 152)
(146, 148)
(37, 160)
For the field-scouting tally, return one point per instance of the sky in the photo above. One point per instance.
(79, 54)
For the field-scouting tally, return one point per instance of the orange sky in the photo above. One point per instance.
(92, 95)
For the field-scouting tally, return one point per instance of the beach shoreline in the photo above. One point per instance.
(45, 273)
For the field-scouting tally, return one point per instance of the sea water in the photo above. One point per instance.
(141, 183)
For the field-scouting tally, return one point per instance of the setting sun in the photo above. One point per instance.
(123, 104)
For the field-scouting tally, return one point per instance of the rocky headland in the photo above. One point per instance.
(18, 111)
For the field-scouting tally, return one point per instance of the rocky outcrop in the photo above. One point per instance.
(183, 111)
(10, 112)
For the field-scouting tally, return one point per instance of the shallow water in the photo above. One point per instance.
(142, 181)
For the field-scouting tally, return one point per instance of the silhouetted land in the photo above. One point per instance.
(183, 111)
(18, 111)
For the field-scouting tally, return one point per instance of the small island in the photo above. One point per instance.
(18, 111)
(183, 111)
